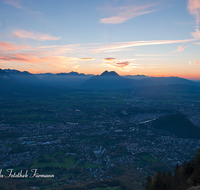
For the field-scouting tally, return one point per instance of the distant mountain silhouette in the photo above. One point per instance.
(107, 73)
(165, 81)
(71, 79)
(24, 77)
(71, 74)
(136, 77)
(8, 84)
(113, 80)
(108, 80)
(6, 79)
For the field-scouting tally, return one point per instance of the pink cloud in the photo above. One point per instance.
(122, 64)
(125, 13)
(89, 58)
(197, 43)
(44, 55)
(109, 59)
(180, 48)
(115, 63)
(6, 46)
(36, 58)
(14, 3)
(194, 62)
(33, 35)
(196, 34)
(194, 8)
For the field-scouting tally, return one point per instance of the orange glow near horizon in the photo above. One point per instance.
(107, 38)
(189, 76)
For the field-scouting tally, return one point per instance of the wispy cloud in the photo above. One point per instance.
(122, 64)
(33, 35)
(17, 4)
(194, 62)
(10, 52)
(54, 61)
(121, 45)
(197, 43)
(14, 3)
(7, 46)
(194, 9)
(62, 56)
(109, 59)
(196, 34)
(87, 58)
(127, 12)
(150, 55)
(117, 50)
(58, 49)
(180, 48)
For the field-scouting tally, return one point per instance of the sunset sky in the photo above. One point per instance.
(155, 38)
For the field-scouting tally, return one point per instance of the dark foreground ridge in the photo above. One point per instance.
(178, 125)
(184, 177)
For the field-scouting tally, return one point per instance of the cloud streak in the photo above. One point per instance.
(127, 12)
(194, 9)
(88, 58)
(45, 55)
(180, 48)
(122, 64)
(197, 43)
(14, 3)
(109, 59)
(7, 46)
(121, 45)
(196, 34)
(194, 62)
(54, 61)
(33, 35)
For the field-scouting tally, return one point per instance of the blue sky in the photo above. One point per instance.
(156, 38)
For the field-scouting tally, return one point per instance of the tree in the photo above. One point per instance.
(148, 182)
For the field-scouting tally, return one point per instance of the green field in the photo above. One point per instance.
(107, 188)
(146, 157)
(67, 162)
(90, 165)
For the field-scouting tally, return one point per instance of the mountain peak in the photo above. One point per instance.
(107, 73)
(13, 71)
(72, 73)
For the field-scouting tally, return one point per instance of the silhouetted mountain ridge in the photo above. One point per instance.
(107, 80)
(107, 73)
(72, 73)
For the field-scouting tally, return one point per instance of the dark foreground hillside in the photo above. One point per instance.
(178, 125)
(183, 177)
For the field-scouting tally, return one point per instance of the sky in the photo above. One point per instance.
(154, 38)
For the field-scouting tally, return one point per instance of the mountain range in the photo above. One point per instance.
(14, 79)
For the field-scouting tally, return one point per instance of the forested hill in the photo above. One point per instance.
(183, 177)
(178, 125)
